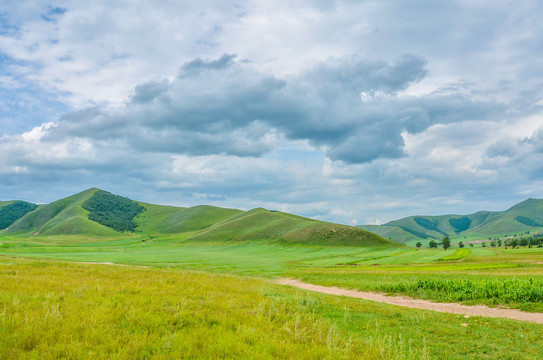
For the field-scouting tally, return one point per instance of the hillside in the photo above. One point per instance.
(95, 212)
(171, 219)
(262, 224)
(525, 217)
(65, 216)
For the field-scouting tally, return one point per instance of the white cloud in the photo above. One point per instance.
(295, 122)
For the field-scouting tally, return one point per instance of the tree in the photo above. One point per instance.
(432, 244)
(470, 244)
(446, 242)
(484, 244)
(419, 244)
(460, 244)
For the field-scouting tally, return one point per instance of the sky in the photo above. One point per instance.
(357, 112)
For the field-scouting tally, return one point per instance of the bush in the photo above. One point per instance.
(113, 211)
(14, 211)
(460, 224)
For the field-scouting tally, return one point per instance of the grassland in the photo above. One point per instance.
(71, 310)
(207, 289)
(493, 276)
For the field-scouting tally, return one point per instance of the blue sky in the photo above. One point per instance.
(348, 111)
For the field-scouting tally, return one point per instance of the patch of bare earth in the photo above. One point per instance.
(453, 308)
(109, 263)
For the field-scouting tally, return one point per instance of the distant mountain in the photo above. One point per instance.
(525, 217)
(96, 212)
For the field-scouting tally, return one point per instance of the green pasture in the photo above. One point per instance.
(86, 311)
(385, 269)
(216, 299)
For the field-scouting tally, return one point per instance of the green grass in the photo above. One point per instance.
(68, 310)
(208, 290)
(458, 254)
(170, 219)
(84, 312)
(209, 294)
(497, 291)
(386, 269)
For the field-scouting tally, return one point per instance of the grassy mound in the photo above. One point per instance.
(64, 216)
(262, 224)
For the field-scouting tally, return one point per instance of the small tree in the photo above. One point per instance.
(493, 243)
(484, 244)
(460, 244)
(470, 244)
(432, 244)
(419, 244)
(446, 242)
(499, 242)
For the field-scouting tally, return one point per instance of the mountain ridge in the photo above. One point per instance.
(95, 212)
(520, 219)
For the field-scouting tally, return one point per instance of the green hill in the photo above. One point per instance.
(65, 216)
(525, 217)
(95, 212)
(262, 224)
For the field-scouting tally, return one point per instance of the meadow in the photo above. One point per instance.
(218, 299)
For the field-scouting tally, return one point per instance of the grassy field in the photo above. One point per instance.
(70, 310)
(213, 299)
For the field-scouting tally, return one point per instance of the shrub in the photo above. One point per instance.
(113, 211)
(14, 211)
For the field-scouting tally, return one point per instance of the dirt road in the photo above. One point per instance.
(477, 310)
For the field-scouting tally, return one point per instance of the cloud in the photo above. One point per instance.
(226, 106)
(341, 110)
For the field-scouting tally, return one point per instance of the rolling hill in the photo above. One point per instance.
(522, 218)
(95, 212)
(65, 216)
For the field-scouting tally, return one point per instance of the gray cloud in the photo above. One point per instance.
(348, 106)
(294, 121)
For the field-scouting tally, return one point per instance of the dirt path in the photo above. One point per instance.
(477, 310)
(109, 263)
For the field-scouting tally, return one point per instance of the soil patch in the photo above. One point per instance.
(110, 263)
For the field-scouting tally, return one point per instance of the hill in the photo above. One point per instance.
(262, 224)
(523, 218)
(65, 216)
(96, 212)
